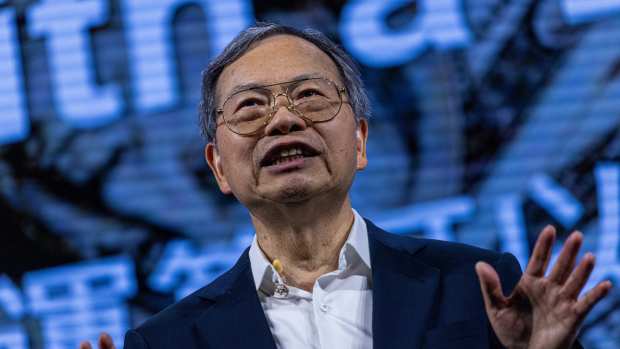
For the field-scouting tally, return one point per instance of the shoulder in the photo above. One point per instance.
(174, 324)
(171, 326)
(450, 255)
(187, 308)
(444, 255)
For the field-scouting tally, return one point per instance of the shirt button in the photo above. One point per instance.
(324, 307)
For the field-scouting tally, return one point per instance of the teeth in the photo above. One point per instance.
(290, 152)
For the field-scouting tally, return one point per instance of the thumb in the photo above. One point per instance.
(491, 287)
(106, 342)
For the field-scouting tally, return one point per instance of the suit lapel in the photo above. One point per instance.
(403, 291)
(236, 318)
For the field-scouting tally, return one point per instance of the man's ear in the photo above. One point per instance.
(215, 164)
(361, 135)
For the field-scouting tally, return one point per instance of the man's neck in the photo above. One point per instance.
(307, 242)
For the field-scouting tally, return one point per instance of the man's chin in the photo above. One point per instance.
(293, 194)
(296, 191)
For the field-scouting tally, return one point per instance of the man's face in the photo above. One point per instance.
(249, 167)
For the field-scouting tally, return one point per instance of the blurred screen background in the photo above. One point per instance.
(491, 119)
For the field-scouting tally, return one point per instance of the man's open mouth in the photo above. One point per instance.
(281, 154)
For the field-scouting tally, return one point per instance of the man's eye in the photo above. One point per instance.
(249, 103)
(309, 93)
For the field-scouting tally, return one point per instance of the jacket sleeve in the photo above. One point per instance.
(134, 340)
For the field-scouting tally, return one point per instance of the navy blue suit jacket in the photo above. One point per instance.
(425, 295)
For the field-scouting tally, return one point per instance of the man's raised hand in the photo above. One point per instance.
(543, 311)
(105, 342)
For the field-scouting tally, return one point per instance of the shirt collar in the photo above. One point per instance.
(355, 254)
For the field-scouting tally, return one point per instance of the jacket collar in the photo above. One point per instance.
(403, 294)
(354, 254)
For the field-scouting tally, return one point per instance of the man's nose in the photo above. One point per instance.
(284, 120)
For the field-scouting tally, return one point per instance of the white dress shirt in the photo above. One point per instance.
(338, 312)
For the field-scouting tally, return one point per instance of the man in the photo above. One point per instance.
(285, 114)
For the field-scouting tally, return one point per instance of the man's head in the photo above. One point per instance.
(248, 39)
(288, 158)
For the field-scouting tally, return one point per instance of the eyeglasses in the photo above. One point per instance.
(314, 100)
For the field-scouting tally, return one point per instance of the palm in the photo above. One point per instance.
(542, 311)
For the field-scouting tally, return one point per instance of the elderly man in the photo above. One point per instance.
(285, 114)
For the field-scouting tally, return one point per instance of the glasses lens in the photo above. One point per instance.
(317, 99)
(245, 112)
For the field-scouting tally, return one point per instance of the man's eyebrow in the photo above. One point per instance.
(244, 87)
(250, 85)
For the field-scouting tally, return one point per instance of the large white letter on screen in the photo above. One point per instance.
(13, 336)
(366, 34)
(185, 268)
(555, 199)
(64, 23)
(76, 302)
(580, 11)
(512, 232)
(608, 196)
(80, 286)
(14, 124)
(435, 219)
(10, 299)
(148, 25)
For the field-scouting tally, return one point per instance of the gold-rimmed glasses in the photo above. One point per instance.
(314, 100)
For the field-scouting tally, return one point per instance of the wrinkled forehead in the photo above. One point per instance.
(274, 60)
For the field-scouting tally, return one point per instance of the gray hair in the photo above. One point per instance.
(349, 71)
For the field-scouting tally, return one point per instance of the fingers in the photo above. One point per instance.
(542, 252)
(490, 286)
(589, 300)
(566, 261)
(579, 276)
(574, 280)
(106, 342)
